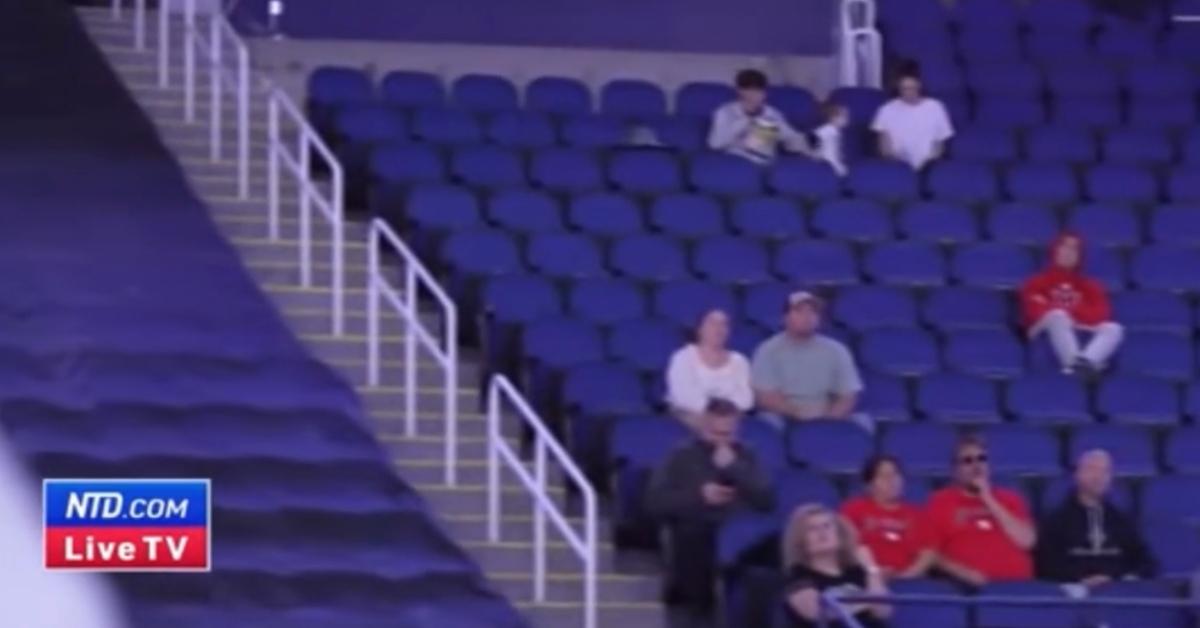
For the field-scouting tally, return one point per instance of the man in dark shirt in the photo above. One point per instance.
(1087, 539)
(699, 485)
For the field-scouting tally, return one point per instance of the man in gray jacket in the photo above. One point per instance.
(751, 128)
(693, 491)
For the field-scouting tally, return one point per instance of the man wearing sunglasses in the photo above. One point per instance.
(981, 533)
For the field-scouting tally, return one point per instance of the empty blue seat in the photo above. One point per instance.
(559, 343)
(1156, 354)
(885, 398)
(412, 90)
(983, 145)
(1137, 147)
(1107, 266)
(1132, 616)
(1182, 453)
(484, 93)
(594, 131)
(565, 255)
(1109, 183)
(763, 304)
(991, 353)
(566, 170)
(687, 215)
(1183, 184)
(828, 446)
(768, 217)
(606, 214)
(1171, 498)
(920, 615)
(523, 210)
(443, 208)
(725, 174)
(1061, 16)
(486, 252)
(957, 398)
(731, 260)
(857, 220)
(488, 166)
(1167, 267)
(1159, 114)
(1175, 546)
(446, 126)
(1142, 400)
(1061, 145)
(1033, 615)
(682, 133)
(886, 181)
(633, 99)
(406, 164)
(638, 445)
(905, 264)
(1106, 225)
(522, 129)
(606, 301)
(1005, 80)
(807, 179)
(1192, 403)
(816, 263)
(1022, 223)
(645, 343)
(1126, 45)
(938, 222)
(873, 307)
(1148, 310)
(987, 45)
(861, 102)
(558, 95)
(700, 99)
(1165, 79)
(992, 265)
(601, 389)
(684, 302)
(331, 87)
(901, 352)
(1022, 450)
(963, 182)
(518, 299)
(649, 258)
(921, 447)
(645, 172)
(796, 103)
(1048, 398)
(1052, 184)
(1010, 113)
(1082, 80)
(1086, 113)
(956, 308)
(368, 124)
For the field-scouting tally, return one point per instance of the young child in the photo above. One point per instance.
(829, 136)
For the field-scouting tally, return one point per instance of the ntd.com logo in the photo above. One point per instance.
(127, 525)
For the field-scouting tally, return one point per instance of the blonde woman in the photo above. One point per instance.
(821, 554)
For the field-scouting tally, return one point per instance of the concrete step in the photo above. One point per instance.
(611, 614)
(429, 374)
(322, 273)
(287, 250)
(289, 297)
(568, 586)
(430, 421)
(244, 224)
(518, 555)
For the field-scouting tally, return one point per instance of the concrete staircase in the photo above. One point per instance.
(628, 585)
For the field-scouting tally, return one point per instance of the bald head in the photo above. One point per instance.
(1093, 474)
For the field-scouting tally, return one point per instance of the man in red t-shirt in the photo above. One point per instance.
(980, 533)
(893, 529)
(1061, 300)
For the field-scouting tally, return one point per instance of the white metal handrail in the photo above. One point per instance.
(860, 47)
(537, 484)
(297, 162)
(406, 302)
(139, 20)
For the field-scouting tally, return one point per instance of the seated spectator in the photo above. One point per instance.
(1062, 300)
(893, 530)
(829, 136)
(981, 533)
(706, 369)
(694, 489)
(751, 128)
(912, 128)
(802, 374)
(821, 554)
(1087, 539)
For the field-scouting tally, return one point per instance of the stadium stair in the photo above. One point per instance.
(628, 585)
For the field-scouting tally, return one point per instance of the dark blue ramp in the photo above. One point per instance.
(132, 344)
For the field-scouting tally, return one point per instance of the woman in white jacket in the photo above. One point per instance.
(706, 368)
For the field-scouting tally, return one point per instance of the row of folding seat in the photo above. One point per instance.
(1065, 16)
(1073, 145)
(1015, 113)
(1061, 79)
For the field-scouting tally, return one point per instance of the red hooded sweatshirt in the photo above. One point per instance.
(1064, 288)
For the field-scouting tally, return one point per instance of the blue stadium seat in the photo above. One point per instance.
(957, 398)
(406, 164)
(796, 103)
(645, 343)
(763, 304)
(765, 441)
(552, 345)
(921, 615)
(1010, 113)
(483, 93)
(638, 445)
(522, 129)
(1061, 145)
(1137, 147)
(856, 220)
(1082, 80)
(684, 302)
(681, 133)
(1108, 183)
(1156, 354)
(811, 263)
(1103, 224)
(557, 95)
(600, 389)
(810, 180)
(793, 487)
(1182, 450)
(447, 126)
(1130, 616)
(746, 337)
(1165, 79)
(1060, 16)
(963, 182)
(1048, 399)
(1000, 15)
(606, 301)
(1125, 46)
(438, 208)
(768, 217)
(860, 308)
(1107, 266)
(1022, 223)
(1051, 184)
(481, 252)
(412, 90)
(332, 87)
(1183, 184)
(1170, 497)
(992, 265)
(594, 131)
(1171, 114)
(566, 170)
(923, 448)
(649, 258)
(1131, 447)
(1056, 490)
(488, 166)
(1147, 310)
(901, 352)
(982, 46)
(1005, 80)
(512, 301)
(991, 353)
(828, 446)
(956, 308)
(565, 255)
(645, 172)
(731, 260)
(1086, 113)
(1033, 615)
(884, 398)
(938, 222)
(886, 181)
(1022, 450)
(1175, 546)
(700, 99)
(1167, 267)
(368, 123)
(1192, 402)
(524, 211)
(861, 102)
(605, 214)
(725, 174)
(990, 146)
(690, 216)
(914, 264)
(633, 99)
(1138, 400)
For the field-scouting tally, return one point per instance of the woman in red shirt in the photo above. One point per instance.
(893, 529)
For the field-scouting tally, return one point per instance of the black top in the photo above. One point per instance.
(1075, 542)
(674, 490)
(851, 580)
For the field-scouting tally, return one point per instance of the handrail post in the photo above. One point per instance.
(302, 191)
(373, 305)
(337, 281)
(139, 24)
(164, 43)
(116, 10)
(215, 84)
(243, 113)
(539, 522)
(273, 147)
(410, 348)
(189, 60)
(493, 461)
(451, 333)
(589, 562)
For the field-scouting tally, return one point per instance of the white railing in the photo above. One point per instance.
(860, 47)
(406, 302)
(501, 392)
(139, 20)
(294, 154)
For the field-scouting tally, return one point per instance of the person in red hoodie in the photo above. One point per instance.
(1061, 301)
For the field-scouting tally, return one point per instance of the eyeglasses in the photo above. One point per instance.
(976, 459)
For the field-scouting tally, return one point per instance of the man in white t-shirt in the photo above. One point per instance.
(751, 128)
(911, 127)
